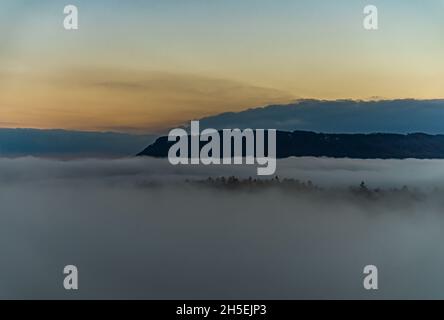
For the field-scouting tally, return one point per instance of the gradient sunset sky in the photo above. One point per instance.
(144, 66)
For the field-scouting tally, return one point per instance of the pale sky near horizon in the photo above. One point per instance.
(148, 65)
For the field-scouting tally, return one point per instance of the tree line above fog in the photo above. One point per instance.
(357, 146)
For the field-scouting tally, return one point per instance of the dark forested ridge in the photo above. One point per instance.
(359, 146)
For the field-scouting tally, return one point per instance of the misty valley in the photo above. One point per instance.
(312, 217)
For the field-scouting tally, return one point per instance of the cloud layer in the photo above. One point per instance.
(135, 229)
(340, 116)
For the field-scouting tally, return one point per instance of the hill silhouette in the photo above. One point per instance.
(64, 143)
(358, 146)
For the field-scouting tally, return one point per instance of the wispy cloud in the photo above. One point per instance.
(146, 101)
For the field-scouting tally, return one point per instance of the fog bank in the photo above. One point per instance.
(135, 229)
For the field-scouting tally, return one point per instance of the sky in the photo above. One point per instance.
(144, 66)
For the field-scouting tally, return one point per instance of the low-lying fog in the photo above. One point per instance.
(136, 229)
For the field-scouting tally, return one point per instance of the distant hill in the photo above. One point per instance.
(359, 146)
(70, 144)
